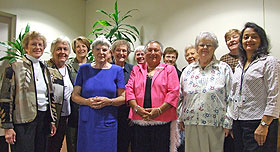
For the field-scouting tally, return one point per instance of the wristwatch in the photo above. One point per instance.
(263, 123)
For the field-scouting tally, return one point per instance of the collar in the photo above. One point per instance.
(212, 63)
(32, 59)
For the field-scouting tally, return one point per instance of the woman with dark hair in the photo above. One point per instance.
(255, 106)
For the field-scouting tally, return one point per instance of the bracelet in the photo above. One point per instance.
(159, 110)
(136, 108)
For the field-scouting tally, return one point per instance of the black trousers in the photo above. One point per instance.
(124, 135)
(244, 140)
(151, 138)
(228, 144)
(3, 144)
(32, 137)
(71, 138)
(55, 142)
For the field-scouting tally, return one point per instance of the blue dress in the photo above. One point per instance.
(97, 130)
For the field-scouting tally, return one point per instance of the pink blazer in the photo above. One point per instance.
(165, 88)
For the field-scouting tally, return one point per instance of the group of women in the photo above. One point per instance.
(111, 106)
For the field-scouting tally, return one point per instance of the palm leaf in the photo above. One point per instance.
(132, 27)
(7, 46)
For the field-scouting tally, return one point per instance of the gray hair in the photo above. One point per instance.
(60, 39)
(101, 40)
(153, 41)
(121, 42)
(140, 48)
(207, 36)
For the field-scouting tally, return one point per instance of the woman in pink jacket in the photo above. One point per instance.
(152, 92)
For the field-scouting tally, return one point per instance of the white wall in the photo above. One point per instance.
(52, 18)
(176, 23)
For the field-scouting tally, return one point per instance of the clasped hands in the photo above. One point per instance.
(147, 113)
(99, 102)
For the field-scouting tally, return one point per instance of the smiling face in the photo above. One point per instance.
(250, 40)
(140, 56)
(35, 48)
(170, 58)
(61, 53)
(191, 55)
(206, 50)
(81, 49)
(100, 52)
(232, 42)
(120, 54)
(153, 54)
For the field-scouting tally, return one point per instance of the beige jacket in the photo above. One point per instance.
(18, 97)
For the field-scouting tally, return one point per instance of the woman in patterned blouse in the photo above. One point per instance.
(204, 88)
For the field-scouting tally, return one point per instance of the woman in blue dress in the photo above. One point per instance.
(99, 89)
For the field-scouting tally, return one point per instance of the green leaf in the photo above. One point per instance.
(12, 53)
(95, 24)
(27, 28)
(6, 58)
(14, 45)
(96, 30)
(116, 9)
(132, 27)
(6, 45)
(12, 60)
(126, 14)
(101, 11)
(20, 37)
(104, 23)
(124, 18)
(131, 34)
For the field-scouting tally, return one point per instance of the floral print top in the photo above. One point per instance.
(205, 94)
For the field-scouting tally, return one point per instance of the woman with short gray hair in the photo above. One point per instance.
(204, 91)
(99, 90)
(63, 87)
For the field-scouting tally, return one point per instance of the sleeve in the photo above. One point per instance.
(130, 86)
(79, 77)
(228, 86)
(180, 104)
(7, 98)
(120, 79)
(271, 82)
(172, 94)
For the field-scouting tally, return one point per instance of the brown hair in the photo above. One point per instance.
(230, 32)
(33, 35)
(170, 50)
(84, 40)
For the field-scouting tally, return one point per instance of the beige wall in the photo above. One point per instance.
(176, 23)
(52, 18)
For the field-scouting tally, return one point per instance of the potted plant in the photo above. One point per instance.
(114, 28)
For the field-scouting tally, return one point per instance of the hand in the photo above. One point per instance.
(104, 101)
(153, 113)
(227, 132)
(142, 112)
(10, 136)
(260, 134)
(95, 103)
(53, 130)
(181, 126)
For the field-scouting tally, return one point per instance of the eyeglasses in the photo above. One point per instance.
(207, 45)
